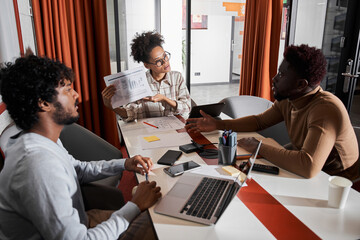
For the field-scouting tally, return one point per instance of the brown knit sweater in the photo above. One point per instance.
(320, 131)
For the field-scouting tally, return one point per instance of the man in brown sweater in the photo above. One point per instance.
(318, 124)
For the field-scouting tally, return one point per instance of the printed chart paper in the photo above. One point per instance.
(131, 85)
(162, 124)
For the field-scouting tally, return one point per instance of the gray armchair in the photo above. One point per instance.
(86, 146)
(241, 106)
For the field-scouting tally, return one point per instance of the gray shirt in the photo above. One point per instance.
(40, 196)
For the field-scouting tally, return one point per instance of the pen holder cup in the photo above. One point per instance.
(227, 154)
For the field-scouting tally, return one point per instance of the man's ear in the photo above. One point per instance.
(302, 83)
(44, 105)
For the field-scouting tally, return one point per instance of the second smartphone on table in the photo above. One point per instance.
(179, 169)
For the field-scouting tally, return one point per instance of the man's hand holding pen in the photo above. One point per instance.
(146, 193)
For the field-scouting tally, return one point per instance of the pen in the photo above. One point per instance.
(146, 177)
(224, 140)
(151, 125)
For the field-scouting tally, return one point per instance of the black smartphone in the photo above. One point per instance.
(179, 169)
(188, 148)
(169, 157)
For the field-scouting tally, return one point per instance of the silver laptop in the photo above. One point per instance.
(201, 198)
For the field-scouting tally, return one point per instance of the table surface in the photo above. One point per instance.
(306, 199)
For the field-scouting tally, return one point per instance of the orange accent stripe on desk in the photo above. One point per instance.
(270, 212)
(200, 139)
(2, 107)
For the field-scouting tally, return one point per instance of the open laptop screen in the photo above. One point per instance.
(250, 163)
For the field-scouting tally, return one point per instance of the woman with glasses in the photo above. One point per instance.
(170, 95)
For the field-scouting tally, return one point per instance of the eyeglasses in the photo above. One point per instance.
(161, 61)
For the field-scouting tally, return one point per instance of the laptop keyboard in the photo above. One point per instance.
(207, 195)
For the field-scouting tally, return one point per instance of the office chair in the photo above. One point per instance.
(87, 146)
(193, 103)
(241, 106)
(356, 183)
(84, 145)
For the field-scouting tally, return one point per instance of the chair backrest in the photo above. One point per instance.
(1, 162)
(241, 106)
(10, 131)
(356, 183)
(87, 146)
(357, 133)
(84, 145)
(193, 103)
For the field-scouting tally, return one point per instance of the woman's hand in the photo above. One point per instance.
(107, 94)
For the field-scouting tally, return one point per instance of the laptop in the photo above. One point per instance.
(201, 198)
(213, 110)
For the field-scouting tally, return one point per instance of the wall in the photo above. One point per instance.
(139, 17)
(171, 29)
(310, 22)
(210, 51)
(9, 48)
(26, 22)
(9, 44)
(238, 45)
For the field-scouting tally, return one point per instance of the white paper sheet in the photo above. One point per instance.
(163, 123)
(131, 85)
(166, 140)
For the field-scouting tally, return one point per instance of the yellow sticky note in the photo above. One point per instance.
(231, 170)
(234, 172)
(152, 138)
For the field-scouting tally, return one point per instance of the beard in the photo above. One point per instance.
(63, 117)
(279, 97)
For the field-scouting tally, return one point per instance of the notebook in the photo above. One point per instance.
(213, 110)
(201, 198)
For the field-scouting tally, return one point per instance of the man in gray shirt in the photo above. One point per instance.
(40, 195)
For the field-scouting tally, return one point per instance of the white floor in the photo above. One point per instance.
(206, 94)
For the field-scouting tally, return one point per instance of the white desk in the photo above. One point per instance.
(306, 199)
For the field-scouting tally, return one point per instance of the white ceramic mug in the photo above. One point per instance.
(339, 188)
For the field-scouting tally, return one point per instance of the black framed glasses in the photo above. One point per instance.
(161, 61)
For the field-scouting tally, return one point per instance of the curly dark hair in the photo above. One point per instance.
(27, 81)
(308, 62)
(144, 43)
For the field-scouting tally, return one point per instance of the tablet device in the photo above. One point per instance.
(213, 110)
(169, 157)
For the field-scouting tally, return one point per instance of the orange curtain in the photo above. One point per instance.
(75, 32)
(260, 47)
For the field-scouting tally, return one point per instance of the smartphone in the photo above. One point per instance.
(170, 157)
(179, 169)
(188, 148)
